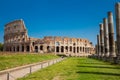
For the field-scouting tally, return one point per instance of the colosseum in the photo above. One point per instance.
(16, 39)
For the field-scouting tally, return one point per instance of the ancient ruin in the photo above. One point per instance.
(98, 46)
(111, 35)
(102, 40)
(117, 8)
(111, 48)
(16, 39)
(106, 38)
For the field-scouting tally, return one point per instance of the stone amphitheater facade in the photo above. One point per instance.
(16, 39)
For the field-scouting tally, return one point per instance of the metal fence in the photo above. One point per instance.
(13, 74)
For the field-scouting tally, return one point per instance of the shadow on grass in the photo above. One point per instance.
(98, 73)
(79, 58)
(94, 63)
(99, 67)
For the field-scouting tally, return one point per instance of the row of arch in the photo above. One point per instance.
(41, 48)
(63, 49)
(18, 48)
(57, 49)
(25, 48)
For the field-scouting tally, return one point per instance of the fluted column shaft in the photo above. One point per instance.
(111, 35)
(118, 28)
(102, 39)
(106, 37)
(98, 45)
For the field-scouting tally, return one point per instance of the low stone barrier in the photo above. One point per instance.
(18, 72)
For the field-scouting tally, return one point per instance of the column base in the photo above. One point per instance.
(100, 57)
(105, 58)
(118, 60)
(112, 60)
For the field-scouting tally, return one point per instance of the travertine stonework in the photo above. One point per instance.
(16, 39)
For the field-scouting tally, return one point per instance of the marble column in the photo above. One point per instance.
(98, 45)
(68, 49)
(111, 35)
(102, 39)
(38, 50)
(96, 50)
(30, 47)
(24, 48)
(55, 47)
(76, 49)
(59, 49)
(106, 37)
(117, 8)
(20, 48)
(45, 49)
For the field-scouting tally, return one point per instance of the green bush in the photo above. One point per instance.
(61, 55)
(1, 47)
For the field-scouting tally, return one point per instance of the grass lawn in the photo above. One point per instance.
(77, 69)
(14, 60)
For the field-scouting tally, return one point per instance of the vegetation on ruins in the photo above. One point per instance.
(77, 69)
(13, 60)
(1, 47)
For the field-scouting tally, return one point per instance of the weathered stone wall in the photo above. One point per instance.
(16, 39)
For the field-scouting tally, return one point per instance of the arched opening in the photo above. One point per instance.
(36, 48)
(22, 48)
(14, 48)
(66, 48)
(77, 49)
(83, 49)
(10, 49)
(33, 43)
(74, 44)
(48, 48)
(17, 48)
(62, 48)
(74, 49)
(70, 48)
(6, 49)
(57, 49)
(41, 47)
(28, 49)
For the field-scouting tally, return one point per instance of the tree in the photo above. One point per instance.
(1, 47)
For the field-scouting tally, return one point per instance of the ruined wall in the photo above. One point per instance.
(15, 33)
(16, 39)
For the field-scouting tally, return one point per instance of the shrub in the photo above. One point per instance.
(62, 55)
(1, 47)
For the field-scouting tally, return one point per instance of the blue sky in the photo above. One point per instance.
(67, 18)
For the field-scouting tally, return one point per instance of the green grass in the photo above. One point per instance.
(77, 69)
(14, 60)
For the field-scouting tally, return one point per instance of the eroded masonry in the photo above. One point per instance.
(107, 48)
(16, 39)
